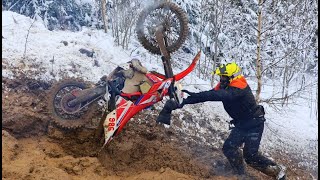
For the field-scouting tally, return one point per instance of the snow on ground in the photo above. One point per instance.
(293, 129)
(46, 48)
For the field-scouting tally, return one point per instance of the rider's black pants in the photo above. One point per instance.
(251, 139)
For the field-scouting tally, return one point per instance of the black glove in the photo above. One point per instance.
(165, 114)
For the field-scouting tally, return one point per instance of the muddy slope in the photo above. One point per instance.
(35, 148)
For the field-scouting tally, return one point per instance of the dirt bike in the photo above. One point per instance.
(161, 29)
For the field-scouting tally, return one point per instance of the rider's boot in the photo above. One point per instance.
(242, 173)
(278, 171)
(238, 167)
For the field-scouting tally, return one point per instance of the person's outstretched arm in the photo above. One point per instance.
(211, 95)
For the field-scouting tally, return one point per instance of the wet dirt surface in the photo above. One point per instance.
(35, 148)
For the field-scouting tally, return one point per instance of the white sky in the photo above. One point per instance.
(294, 128)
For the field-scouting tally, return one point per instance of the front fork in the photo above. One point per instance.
(174, 92)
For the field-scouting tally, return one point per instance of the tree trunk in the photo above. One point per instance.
(258, 63)
(317, 100)
(103, 14)
(217, 30)
(285, 83)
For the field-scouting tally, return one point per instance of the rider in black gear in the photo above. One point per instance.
(248, 120)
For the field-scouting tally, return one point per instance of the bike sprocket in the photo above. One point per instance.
(63, 116)
(175, 23)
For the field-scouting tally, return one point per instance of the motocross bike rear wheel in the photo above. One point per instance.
(174, 21)
(65, 116)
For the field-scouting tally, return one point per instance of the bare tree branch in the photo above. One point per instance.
(25, 45)
(274, 100)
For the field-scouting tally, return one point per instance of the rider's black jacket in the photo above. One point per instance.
(238, 101)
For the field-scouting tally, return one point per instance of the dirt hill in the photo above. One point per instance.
(35, 148)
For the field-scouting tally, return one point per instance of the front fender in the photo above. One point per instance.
(184, 73)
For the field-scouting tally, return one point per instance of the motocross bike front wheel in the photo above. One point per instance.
(64, 115)
(174, 21)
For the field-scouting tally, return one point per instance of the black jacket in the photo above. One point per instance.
(238, 101)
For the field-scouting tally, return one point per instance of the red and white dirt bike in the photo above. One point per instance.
(161, 29)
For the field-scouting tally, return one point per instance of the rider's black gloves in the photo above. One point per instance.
(165, 114)
(170, 105)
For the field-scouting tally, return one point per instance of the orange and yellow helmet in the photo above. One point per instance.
(230, 69)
